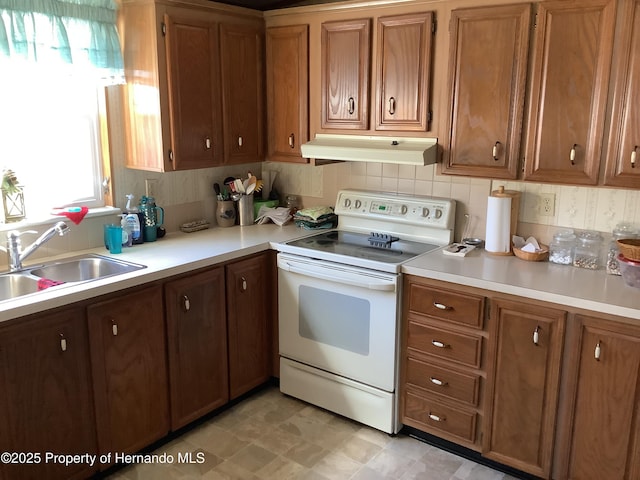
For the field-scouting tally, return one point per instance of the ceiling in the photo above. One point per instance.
(272, 4)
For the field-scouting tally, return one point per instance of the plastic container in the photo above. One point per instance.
(630, 271)
(588, 250)
(562, 247)
(622, 231)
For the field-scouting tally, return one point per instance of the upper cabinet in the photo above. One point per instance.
(487, 68)
(241, 53)
(194, 96)
(346, 53)
(570, 78)
(623, 154)
(287, 53)
(403, 72)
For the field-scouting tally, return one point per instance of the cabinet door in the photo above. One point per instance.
(571, 60)
(346, 53)
(241, 52)
(523, 383)
(287, 92)
(404, 70)
(623, 154)
(487, 70)
(248, 308)
(194, 98)
(197, 338)
(127, 336)
(605, 441)
(45, 394)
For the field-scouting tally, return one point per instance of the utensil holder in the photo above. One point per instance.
(245, 210)
(226, 213)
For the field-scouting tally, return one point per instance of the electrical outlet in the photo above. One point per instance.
(151, 187)
(547, 204)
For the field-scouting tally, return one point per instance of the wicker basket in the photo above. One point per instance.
(532, 256)
(630, 248)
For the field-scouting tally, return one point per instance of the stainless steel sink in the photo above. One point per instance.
(81, 269)
(56, 274)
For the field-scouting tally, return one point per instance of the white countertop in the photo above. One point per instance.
(174, 254)
(565, 285)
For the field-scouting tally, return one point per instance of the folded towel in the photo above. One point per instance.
(278, 215)
(313, 213)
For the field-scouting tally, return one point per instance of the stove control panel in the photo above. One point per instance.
(424, 211)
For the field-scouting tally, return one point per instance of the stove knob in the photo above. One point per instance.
(438, 213)
(358, 204)
(347, 202)
(404, 209)
(425, 212)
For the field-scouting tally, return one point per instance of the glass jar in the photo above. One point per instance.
(293, 203)
(622, 230)
(588, 249)
(562, 247)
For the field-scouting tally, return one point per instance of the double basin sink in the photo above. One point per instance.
(68, 271)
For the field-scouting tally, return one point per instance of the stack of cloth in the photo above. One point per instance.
(315, 218)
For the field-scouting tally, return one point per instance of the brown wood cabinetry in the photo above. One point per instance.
(287, 56)
(193, 87)
(524, 373)
(197, 341)
(128, 360)
(46, 403)
(604, 439)
(404, 72)
(623, 153)
(487, 79)
(242, 60)
(346, 59)
(248, 318)
(570, 79)
(441, 361)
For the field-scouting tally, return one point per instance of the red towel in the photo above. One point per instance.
(44, 283)
(73, 214)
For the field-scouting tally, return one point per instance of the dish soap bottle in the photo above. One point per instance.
(133, 219)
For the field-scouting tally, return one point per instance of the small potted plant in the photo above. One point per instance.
(12, 197)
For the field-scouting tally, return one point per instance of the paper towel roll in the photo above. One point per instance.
(498, 235)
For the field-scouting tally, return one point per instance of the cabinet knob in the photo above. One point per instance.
(239, 141)
(63, 343)
(437, 381)
(439, 344)
(186, 304)
(441, 306)
(634, 154)
(437, 418)
(536, 336)
(352, 105)
(114, 328)
(207, 143)
(496, 151)
(392, 105)
(292, 140)
(572, 154)
(597, 351)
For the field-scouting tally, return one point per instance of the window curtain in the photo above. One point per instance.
(80, 34)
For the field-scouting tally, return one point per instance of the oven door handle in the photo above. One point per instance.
(340, 277)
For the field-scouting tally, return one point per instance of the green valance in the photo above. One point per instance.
(81, 33)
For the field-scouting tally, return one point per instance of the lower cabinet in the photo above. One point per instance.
(523, 383)
(248, 320)
(197, 341)
(128, 360)
(604, 431)
(46, 402)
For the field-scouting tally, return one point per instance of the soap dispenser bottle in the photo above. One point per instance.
(134, 220)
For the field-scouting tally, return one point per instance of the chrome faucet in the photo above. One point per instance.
(17, 255)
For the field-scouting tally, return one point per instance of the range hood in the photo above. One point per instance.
(359, 148)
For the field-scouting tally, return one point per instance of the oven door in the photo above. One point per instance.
(338, 318)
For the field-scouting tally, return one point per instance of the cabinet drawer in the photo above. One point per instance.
(446, 305)
(432, 415)
(443, 381)
(456, 347)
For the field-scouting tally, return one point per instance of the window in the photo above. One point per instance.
(50, 136)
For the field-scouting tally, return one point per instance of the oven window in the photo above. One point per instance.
(334, 319)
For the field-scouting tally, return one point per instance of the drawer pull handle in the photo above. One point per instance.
(392, 105)
(437, 418)
(186, 304)
(438, 344)
(292, 140)
(572, 154)
(207, 143)
(597, 351)
(442, 306)
(634, 154)
(63, 343)
(352, 105)
(438, 382)
(536, 335)
(114, 328)
(495, 151)
(240, 141)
